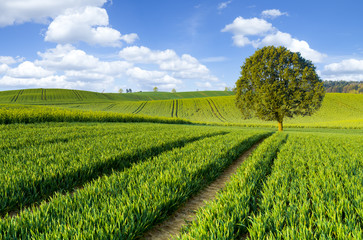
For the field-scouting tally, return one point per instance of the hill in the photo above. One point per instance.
(338, 110)
(55, 96)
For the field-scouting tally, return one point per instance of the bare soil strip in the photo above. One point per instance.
(170, 227)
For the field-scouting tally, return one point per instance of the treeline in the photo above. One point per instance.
(343, 87)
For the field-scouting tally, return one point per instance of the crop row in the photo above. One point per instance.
(29, 173)
(21, 114)
(337, 111)
(314, 191)
(227, 217)
(125, 204)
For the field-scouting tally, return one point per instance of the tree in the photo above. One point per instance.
(173, 90)
(276, 83)
(120, 90)
(155, 89)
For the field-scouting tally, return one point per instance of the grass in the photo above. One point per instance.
(212, 107)
(59, 96)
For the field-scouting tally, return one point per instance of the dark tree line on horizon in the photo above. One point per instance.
(343, 87)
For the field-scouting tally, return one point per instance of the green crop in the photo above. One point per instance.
(314, 191)
(34, 114)
(227, 217)
(125, 204)
(38, 160)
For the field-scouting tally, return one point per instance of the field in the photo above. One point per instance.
(99, 166)
(212, 107)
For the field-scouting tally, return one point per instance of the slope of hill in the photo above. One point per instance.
(338, 110)
(55, 96)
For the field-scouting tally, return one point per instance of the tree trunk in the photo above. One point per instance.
(280, 126)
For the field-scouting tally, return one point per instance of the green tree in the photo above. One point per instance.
(276, 83)
(173, 90)
(155, 89)
(120, 90)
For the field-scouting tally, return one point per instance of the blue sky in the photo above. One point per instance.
(102, 45)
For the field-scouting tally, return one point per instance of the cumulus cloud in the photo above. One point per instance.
(28, 70)
(258, 33)
(348, 69)
(185, 66)
(65, 67)
(66, 57)
(345, 66)
(20, 11)
(3, 68)
(149, 79)
(295, 45)
(247, 27)
(89, 25)
(7, 60)
(273, 13)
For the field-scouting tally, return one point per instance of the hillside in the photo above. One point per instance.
(56, 96)
(338, 110)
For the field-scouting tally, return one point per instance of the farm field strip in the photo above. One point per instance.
(62, 165)
(314, 190)
(173, 224)
(34, 114)
(54, 96)
(125, 204)
(227, 217)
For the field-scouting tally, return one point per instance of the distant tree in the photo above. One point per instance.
(173, 90)
(120, 90)
(276, 83)
(130, 90)
(226, 89)
(155, 89)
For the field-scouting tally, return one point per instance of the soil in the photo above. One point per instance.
(170, 228)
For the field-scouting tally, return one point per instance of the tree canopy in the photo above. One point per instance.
(276, 83)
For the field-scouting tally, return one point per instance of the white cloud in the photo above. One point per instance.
(65, 67)
(67, 57)
(28, 70)
(223, 5)
(204, 85)
(149, 79)
(89, 25)
(130, 38)
(4, 68)
(345, 66)
(145, 55)
(246, 27)
(20, 11)
(7, 60)
(279, 38)
(348, 69)
(258, 33)
(273, 13)
(68, 67)
(185, 67)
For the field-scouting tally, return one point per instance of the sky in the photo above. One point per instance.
(105, 45)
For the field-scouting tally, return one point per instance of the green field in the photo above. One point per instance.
(338, 110)
(56, 96)
(85, 165)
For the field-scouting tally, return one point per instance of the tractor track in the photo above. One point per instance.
(170, 228)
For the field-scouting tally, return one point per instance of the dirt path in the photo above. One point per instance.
(171, 227)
